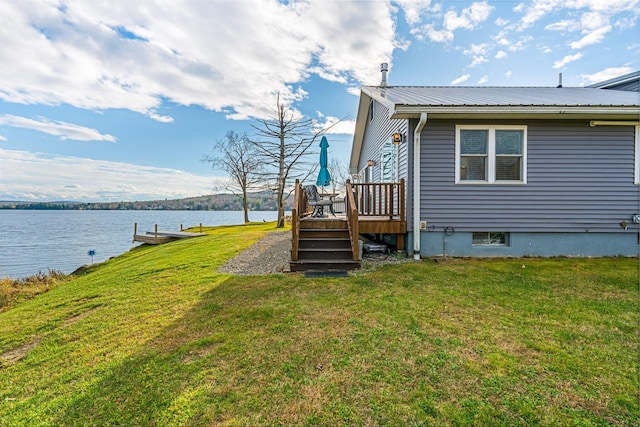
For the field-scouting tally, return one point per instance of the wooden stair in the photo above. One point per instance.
(324, 245)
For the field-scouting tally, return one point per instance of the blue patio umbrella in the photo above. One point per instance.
(324, 178)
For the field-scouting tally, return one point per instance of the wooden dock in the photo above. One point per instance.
(158, 237)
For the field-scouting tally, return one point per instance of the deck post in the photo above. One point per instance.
(135, 229)
(201, 227)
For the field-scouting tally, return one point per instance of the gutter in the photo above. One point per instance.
(594, 123)
(416, 185)
(406, 111)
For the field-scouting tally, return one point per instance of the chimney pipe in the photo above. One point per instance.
(384, 68)
(559, 79)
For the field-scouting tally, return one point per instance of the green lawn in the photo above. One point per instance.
(156, 337)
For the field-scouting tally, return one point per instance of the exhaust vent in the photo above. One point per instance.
(384, 69)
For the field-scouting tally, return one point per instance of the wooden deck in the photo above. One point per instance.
(158, 237)
(371, 208)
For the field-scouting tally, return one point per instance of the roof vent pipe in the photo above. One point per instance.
(559, 79)
(384, 69)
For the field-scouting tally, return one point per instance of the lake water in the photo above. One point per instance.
(39, 240)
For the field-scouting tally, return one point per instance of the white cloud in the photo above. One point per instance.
(469, 18)
(225, 56)
(157, 117)
(334, 125)
(62, 130)
(508, 74)
(564, 25)
(501, 22)
(483, 80)
(463, 78)
(567, 59)
(415, 9)
(3, 138)
(478, 53)
(606, 74)
(501, 54)
(592, 37)
(433, 34)
(41, 176)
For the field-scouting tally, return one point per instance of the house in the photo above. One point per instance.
(507, 171)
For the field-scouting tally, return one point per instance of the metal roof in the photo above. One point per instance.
(458, 96)
(517, 103)
(617, 80)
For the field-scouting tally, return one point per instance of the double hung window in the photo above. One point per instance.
(491, 154)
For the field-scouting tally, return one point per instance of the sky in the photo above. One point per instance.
(121, 100)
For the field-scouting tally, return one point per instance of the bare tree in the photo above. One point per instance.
(339, 170)
(236, 155)
(284, 140)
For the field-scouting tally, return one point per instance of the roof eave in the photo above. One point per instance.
(358, 133)
(508, 111)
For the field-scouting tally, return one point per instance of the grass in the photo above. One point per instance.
(15, 291)
(157, 337)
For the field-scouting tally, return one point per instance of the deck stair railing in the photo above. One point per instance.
(352, 220)
(386, 199)
(297, 213)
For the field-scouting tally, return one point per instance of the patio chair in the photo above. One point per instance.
(314, 199)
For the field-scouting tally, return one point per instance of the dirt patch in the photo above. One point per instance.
(78, 317)
(12, 357)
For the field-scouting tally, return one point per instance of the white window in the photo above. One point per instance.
(491, 154)
(389, 162)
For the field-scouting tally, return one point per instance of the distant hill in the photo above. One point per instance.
(260, 201)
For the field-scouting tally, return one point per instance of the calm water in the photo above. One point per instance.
(39, 240)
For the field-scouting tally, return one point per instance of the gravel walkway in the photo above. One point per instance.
(272, 253)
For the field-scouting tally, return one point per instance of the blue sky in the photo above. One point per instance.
(120, 100)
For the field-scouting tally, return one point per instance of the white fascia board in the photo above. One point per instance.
(375, 94)
(405, 111)
(358, 133)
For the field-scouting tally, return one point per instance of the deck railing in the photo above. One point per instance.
(297, 212)
(380, 199)
(352, 220)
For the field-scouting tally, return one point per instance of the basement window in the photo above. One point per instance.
(490, 238)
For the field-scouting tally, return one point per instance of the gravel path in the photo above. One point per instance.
(272, 253)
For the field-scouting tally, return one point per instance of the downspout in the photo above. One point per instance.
(416, 185)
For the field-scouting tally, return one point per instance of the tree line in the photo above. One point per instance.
(259, 201)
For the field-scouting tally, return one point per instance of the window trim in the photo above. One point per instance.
(491, 154)
(636, 173)
(394, 154)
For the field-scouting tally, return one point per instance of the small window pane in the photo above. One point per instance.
(480, 238)
(473, 141)
(497, 238)
(490, 238)
(473, 168)
(508, 168)
(509, 141)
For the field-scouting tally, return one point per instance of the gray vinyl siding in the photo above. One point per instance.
(376, 134)
(580, 179)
